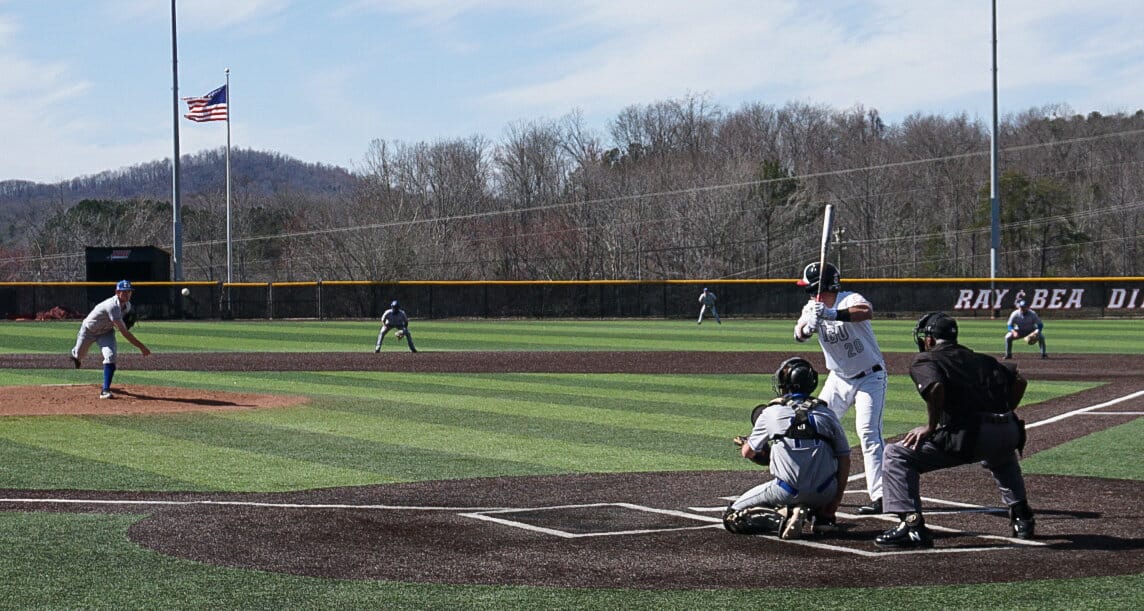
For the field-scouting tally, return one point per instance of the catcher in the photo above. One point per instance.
(396, 319)
(1024, 322)
(803, 444)
(109, 315)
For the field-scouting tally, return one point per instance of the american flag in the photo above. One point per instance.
(210, 107)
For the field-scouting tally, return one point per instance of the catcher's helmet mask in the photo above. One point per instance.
(937, 325)
(832, 280)
(795, 375)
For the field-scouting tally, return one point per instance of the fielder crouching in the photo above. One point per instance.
(396, 319)
(805, 447)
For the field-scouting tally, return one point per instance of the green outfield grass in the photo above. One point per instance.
(364, 428)
(1065, 336)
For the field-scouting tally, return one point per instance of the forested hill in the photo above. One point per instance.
(258, 173)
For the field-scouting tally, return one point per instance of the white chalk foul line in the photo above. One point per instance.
(244, 504)
(1077, 412)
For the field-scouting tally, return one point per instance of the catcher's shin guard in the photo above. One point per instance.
(752, 521)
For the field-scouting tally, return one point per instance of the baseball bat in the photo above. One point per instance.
(827, 228)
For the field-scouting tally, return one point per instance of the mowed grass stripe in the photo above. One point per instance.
(600, 409)
(462, 442)
(226, 468)
(390, 462)
(26, 466)
(611, 412)
(894, 335)
(568, 404)
(682, 444)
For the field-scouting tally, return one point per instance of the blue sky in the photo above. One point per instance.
(86, 84)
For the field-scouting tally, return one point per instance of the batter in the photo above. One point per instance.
(857, 370)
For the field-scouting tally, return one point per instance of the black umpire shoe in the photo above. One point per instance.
(911, 532)
(872, 508)
(1021, 521)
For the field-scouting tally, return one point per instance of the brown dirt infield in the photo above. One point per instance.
(567, 531)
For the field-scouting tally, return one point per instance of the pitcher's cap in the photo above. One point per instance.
(124, 285)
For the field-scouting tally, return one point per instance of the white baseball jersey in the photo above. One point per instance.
(849, 347)
(1024, 322)
(99, 320)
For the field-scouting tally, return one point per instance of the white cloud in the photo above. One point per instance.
(197, 13)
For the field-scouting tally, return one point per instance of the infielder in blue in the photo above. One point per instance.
(394, 319)
(107, 317)
(1024, 322)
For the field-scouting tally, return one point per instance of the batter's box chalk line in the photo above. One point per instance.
(500, 516)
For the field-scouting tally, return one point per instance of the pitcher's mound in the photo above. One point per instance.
(83, 399)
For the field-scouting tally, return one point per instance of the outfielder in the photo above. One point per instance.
(109, 315)
(803, 444)
(1024, 322)
(707, 301)
(857, 370)
(394, 318)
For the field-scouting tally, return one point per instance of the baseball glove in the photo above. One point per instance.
(130, 319)
(400, 334)
(1032, 337)
(763, 459)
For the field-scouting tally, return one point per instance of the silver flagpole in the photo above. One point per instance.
(229, 278)
(176, 216)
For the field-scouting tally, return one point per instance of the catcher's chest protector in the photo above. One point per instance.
(800, 425)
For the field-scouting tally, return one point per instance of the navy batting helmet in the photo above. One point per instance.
(124, 285)
(937, 325)
(394, 304)
(831, 279)
(795, 375)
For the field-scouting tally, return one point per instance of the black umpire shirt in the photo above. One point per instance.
(973, 382)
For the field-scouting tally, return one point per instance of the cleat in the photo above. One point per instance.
(821, 525)
(871, 508)
(1021, 520)
(911, 532)
(106, 395)
(1023, 529)
(376, 350)
(74, 360)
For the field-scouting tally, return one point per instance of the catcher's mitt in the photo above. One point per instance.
(130, 319)
(1032, 338)
(762, 459)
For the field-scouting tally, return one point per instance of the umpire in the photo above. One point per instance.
(969, 399)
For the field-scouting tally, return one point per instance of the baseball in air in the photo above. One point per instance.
(186, 292)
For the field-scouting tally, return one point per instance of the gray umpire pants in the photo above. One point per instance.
(996, 449)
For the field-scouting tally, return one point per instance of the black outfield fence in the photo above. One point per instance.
(1063, 297)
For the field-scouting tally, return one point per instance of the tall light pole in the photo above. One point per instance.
(994, 198)
(176, 220)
